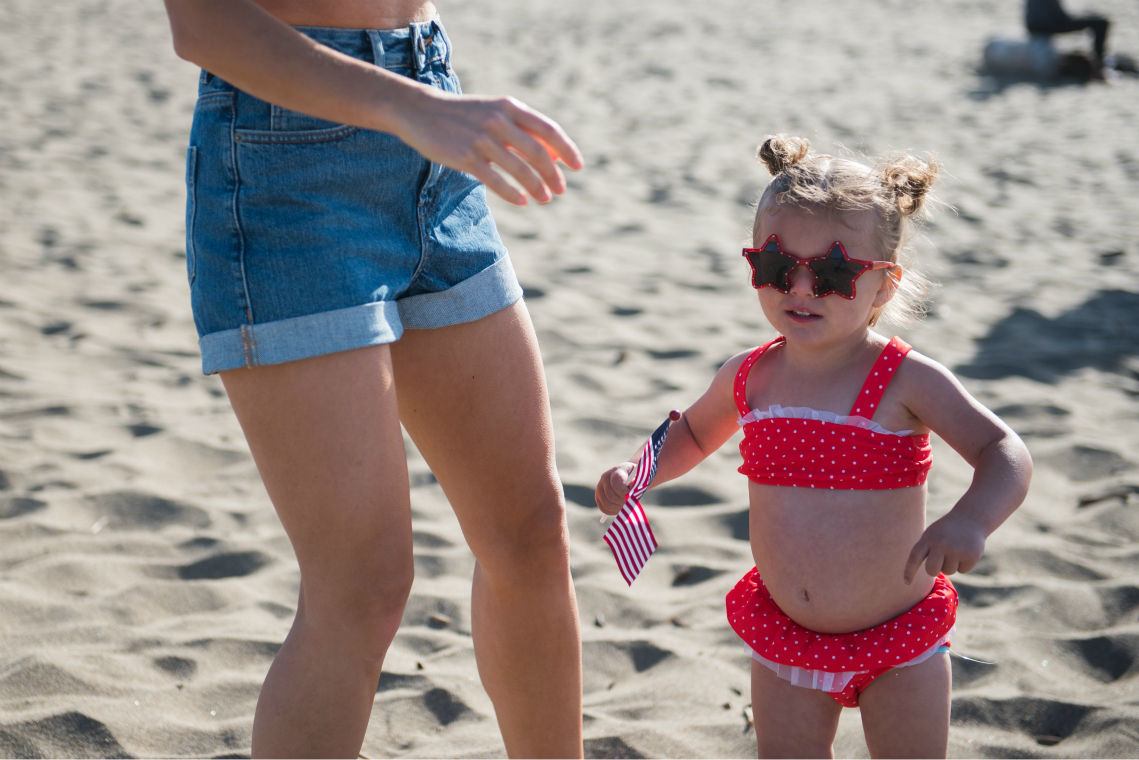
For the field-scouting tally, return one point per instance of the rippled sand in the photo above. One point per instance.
(145, 582)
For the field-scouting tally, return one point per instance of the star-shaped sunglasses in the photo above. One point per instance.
(834, 272)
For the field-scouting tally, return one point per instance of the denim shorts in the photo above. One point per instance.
(305, 237)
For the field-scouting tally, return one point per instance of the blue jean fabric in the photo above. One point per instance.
(305, 237)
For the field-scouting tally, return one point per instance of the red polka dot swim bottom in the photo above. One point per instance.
(841, 664)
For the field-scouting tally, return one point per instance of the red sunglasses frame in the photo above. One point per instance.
(867, 266)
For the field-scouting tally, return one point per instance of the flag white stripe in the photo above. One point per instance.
(634, 549)
(621, 553)
(636, 523)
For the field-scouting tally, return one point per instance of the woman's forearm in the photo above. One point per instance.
(249, 48)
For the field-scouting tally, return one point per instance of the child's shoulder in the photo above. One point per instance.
(732, 366)
(920, 373)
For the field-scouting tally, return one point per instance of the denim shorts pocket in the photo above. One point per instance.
(296, 137)
(191, 211)
(284, 120)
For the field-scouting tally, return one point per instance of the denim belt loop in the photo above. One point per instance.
(445, 41)
(418, 48)
(379, 58)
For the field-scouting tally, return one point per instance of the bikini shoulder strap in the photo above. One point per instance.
(739, 391)
(880, 376)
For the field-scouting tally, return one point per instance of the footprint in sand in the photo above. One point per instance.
(16, 506)
(179, 667)
(1084, 463)
(446, 707)
(228, 565)
(142, 511)
(610, 747)
(1107, 658)
(69, 734)
(1049, 721)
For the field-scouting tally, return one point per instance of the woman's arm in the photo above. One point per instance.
(1002, 469)
(700, 431)
(251, 49)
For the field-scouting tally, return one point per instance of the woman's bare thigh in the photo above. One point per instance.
(473, 398)
(326, 438)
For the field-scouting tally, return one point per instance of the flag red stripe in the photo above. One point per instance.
(620, 562)
(633, 548)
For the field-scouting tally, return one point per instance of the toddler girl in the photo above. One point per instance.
(849, 603)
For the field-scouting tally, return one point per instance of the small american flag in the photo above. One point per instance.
(630, 537)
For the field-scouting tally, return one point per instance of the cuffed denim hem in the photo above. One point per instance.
(288, 340)
(487, 292)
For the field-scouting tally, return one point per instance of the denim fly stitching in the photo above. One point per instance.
(237, 213)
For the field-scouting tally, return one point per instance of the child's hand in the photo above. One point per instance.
(952, 544)
(613, 487)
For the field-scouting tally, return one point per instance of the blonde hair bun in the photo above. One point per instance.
(911, 180)
(780, 152)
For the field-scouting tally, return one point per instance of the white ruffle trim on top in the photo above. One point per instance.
(836, 682)
(776, 411)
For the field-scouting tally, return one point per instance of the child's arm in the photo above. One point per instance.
(1002, 469)
(701, 430)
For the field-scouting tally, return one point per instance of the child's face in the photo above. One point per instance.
(798, 314)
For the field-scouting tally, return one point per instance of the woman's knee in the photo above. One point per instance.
(364, 607)
(535, 544)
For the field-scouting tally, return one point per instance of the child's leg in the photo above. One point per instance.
(791, 721)
(905, 712)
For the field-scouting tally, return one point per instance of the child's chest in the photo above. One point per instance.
(836, 392)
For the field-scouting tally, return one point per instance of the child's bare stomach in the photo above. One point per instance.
(834, 560)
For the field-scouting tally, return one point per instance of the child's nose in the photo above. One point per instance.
(802, 281)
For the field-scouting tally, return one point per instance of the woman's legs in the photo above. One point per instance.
(1098, 24)
(473, 398)
(791, 721)
(905, 712)
(325, 435)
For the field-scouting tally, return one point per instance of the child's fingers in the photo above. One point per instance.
(619, 479)
(917, 556)
(609, 499)
(938, 562)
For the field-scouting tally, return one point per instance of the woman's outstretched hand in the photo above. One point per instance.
(470, 133)
(612, 488)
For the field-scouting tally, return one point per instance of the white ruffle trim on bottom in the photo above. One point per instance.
(836, 682)
(775, 411)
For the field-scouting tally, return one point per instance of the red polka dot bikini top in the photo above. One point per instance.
(803, 447)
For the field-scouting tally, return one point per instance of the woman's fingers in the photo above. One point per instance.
(557, 142)
(495, 182)
(475, 134)
(522, 171)
(511, 134)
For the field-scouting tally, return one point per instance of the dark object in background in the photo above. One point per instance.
(1047, 17)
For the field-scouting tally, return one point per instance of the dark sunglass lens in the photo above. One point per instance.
(836, 274)
(771, 268)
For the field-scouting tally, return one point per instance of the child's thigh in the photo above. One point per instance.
(791, 721)
(905, 712)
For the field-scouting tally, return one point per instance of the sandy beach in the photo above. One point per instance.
(146, 583)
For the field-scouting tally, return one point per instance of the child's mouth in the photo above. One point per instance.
(800, 315)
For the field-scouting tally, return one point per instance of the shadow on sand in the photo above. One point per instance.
(1101, 333)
